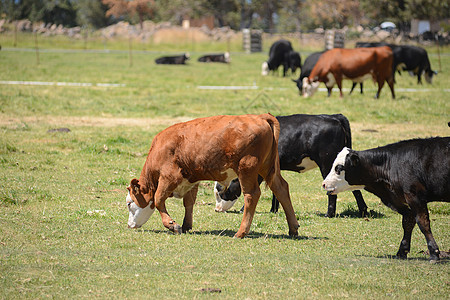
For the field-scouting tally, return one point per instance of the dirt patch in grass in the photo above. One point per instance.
(91, 121)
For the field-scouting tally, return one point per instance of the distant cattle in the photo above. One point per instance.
(406, 58)
(306, 142)
(281, 53)
(406, 176)
(355, 64)
(307, 67)
(172, 60)
(217, 148)
(221, 58)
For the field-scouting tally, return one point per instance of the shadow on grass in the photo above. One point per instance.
(444, 258)
(353, 213)
(231, 233)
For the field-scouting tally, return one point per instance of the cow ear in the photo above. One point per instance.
(296, 81)
(134, 187)
(353, 159)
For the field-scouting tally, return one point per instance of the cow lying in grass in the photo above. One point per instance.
(217, 148)
(405, 175)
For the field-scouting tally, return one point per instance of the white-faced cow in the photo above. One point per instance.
(217, 148)
(355, 64)
(220, 58)
(172, 60)
(281, 53)
(306, 142)
(405, 176)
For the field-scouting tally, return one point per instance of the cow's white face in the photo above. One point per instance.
(309, 88)
(227, 57)
(335, 181)
(264, 69)
(137, 216)
(222, 205)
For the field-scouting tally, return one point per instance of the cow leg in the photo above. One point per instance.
(332, 199)
(162, 193)
(329, 91)
(353, 87)
(252, 192)
(380, 86)
(188, 202)
(362, 207)
(339, 84)
(275, 204)
(281, 190)
(423, 220)
(361, 87)
(408, 223)
(391, 82)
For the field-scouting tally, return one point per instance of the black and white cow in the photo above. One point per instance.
(307, 67)
(305, 142)
(172, 60)
(406, 58)
(221, 58)
(281, 53)
(405, 176)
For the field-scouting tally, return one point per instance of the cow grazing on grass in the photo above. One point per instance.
(281, 53)
(306, 142)
(307, 67)
(172, 60)
(217, 148)
(221, 58)
(355, 64)
(405, 175)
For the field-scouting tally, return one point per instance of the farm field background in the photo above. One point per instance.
(63, 228)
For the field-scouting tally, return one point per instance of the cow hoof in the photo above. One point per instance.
(293, 232)
(186, 229)
(239, 235)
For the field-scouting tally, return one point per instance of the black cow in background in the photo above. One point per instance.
(307, 67)
(305, 142)
(406, 58)
(281, 53)
(172, 60)
(221, 58)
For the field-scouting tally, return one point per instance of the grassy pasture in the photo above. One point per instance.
(62, 195)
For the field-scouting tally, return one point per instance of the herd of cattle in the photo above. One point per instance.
(239, 152)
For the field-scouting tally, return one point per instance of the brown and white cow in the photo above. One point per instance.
(218, 148)
(356, 64)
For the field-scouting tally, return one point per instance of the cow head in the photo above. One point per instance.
(264, 69)
(299, 84)
(140, 205)
(309, 87)
(429, 75)
(227, 57)
(222, 203)
(344, 167)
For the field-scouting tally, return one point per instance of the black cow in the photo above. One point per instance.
(172, 60)
(221, 58)
(406, 58)
(281, 53)
(405, 175)
(305, 142)
(307, 67)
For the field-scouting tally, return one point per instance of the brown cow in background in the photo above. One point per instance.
(218, 148)
(356, 64)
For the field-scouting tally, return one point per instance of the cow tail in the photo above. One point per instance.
(347, 131)
(275, 168)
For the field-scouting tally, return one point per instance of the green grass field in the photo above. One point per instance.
(63, 227)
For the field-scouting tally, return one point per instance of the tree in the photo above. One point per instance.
(335, 13)
(92, 13)
(139, 8)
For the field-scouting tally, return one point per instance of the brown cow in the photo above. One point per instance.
(356, 64)
(218, 148)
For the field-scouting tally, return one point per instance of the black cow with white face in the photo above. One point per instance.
(281, 53)
(172, 60)
(305, 142)
(220, 58)
(406, 176)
